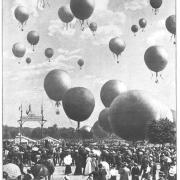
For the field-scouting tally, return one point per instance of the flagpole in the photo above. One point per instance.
(21, 124)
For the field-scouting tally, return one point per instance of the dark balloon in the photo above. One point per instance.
(22, 15)
(98, 131)
(80, 63)
(156, 59)
(65, 14)
(49, 52)
(33, 38)
(110, 90)
(56, 83)
(142, 23)
(134, 29)
(93, 27)
(28, 60)
(156, 4)
(19, 50)
(117, 46)
(104, 121)
(171, 24)
(78, 103)
(82, 9)
(131, 113)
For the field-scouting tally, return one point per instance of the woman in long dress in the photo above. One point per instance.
(68, 162)
(88, 168)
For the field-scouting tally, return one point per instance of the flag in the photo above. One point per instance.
(29, 109)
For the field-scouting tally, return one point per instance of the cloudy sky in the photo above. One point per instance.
(23, 84)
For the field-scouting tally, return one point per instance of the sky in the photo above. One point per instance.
(23, 84)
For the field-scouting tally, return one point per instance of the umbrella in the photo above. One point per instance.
(12, 170)
(87, 149)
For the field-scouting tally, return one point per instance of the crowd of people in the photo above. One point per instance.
(99, 161)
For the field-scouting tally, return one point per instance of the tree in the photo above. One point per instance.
(161, 132)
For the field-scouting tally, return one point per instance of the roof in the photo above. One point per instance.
(50, 138)
(26, 138)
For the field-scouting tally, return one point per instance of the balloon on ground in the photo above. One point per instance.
(98, 131)
(78, 104)
(132, 112)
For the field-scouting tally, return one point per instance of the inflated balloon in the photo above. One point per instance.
(49, 52)
(19, 50)
(80, 63)
(104, 121)
(134, 29)
(171, 25)
(98, 131)
(117, 46)
(65, 15)
(22, 15)
(28, 60)
(56, 83)
(93, 27)
(142, 23)
(131, 113)
(33, 38)
(156, 59)
(78, 104)
(82, 9)
(110, 90)
(156, 4)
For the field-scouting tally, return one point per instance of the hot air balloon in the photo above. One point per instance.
(97, 131)
(142, 23)
(82, 9)
(156, 59)
(80, 63)
(28, 60)
(171, 25)
(78, 104)
(19, 50)
(65, 15)
(131, 113)
(93, 27)
(85, 132)
(33, 38)
(156, 4)
(134, 29)
(110, 90)
(117, 46)
(49, 52)
(104, 121)
(22, 15)
(56, 83)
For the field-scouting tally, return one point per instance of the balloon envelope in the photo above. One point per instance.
(33, 37)
(56, 83)
(80, 62)
(156, 3)
(142, 23)
(98, 131)
(132, 112)
(78, 103)
(28, 60)
(65, 14)
(110, 90)
(117, 45)
(49, 52)
(21, 14)
(104, 121)
(134, 28)
(171, 24)
(93, 26)
(82, 9)
(18, 50)
(156, 58)
(86, 128)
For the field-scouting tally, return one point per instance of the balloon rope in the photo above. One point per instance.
(33, 47)
(22, 27)
(66, 26)
(49, 60)
(157, 81)
(117, 58)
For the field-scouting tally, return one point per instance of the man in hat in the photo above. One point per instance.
(135, 172)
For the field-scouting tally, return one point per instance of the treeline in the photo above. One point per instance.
(53, 131)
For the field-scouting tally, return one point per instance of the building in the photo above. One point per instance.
(24, 140)
(50, 139)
